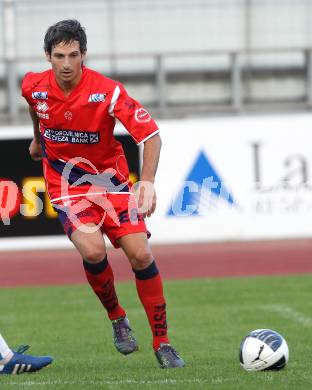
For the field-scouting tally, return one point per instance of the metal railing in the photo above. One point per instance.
(240, 60)
(237, 60)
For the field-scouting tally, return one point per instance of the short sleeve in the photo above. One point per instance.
(132, 115)
(26, 87)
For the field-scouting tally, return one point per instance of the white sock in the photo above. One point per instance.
(5, 352)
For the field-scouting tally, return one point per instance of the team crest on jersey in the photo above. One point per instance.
(68, 115)
(142, 116)
(39, 95)
(97, 97)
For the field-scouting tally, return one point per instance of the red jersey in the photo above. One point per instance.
(81, 126)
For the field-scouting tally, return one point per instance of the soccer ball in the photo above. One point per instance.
(263, 349)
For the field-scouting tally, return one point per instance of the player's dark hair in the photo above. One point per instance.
(65, 31)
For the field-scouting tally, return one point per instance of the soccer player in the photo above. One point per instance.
(74, 109)
(16, 362)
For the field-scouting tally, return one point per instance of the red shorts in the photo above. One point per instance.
(115, 214)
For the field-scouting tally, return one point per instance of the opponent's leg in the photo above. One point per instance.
(100, 276)
(16, 362)
(5, 352)
(150, 290)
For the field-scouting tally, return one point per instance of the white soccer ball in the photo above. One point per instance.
(263, 349)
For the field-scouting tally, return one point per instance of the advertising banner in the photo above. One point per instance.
(233, 178)
(23, 190)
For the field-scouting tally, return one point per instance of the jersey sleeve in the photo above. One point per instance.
(26, 87)
(132, 115)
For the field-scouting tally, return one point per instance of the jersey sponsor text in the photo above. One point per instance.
(72, 136)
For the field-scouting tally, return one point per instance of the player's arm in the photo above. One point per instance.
(35, 150)
(144, 130)
(145, 188)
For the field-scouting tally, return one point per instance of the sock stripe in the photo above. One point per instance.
(95, 268)
(148, 273)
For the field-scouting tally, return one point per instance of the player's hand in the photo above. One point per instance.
(146, 197)
(35, 150)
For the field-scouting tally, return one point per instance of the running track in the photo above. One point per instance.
(34, 268)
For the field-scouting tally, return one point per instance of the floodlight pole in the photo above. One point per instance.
(248, 46)
(236, 81)
(161, 81)
(9, 37)
(308, 65)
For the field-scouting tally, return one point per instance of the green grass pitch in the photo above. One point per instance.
(207, 318)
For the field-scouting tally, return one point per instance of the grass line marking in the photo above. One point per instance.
(290, 314)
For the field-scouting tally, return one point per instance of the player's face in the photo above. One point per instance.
(66, 60)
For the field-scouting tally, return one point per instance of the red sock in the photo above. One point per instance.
(150, 291)
(101, 279)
